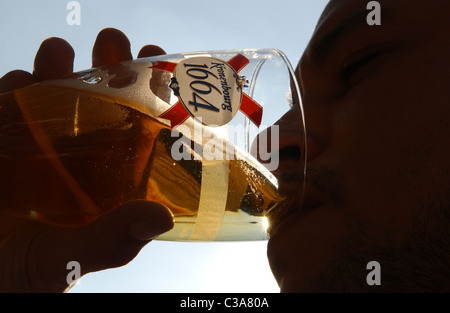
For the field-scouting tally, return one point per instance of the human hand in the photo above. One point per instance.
(33, 255)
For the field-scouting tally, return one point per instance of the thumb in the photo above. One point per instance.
(117, 237)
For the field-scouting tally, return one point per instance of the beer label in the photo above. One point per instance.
(210, 90)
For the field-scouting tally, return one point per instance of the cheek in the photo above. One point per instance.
(391, 146)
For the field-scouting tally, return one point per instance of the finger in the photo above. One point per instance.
(54, 59)
(150, 51)
(111, 47)
(116, 238)
(160, 80)
(15, 80)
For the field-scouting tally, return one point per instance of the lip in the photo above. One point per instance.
(291, 177)
(290, 211)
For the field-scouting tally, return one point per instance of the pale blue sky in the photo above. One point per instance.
(177, 26)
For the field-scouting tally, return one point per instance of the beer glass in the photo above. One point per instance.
(198, 132)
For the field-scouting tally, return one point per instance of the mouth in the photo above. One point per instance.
(290, 210)
(291, 184)
(288, 158)
(291, 179)
(300, 197)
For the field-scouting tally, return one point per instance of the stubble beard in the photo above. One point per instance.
(419, 263)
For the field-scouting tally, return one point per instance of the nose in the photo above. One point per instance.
(287, 141)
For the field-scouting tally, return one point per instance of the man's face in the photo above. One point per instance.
(377, 111)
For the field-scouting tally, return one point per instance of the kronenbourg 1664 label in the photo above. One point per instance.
(209, 90)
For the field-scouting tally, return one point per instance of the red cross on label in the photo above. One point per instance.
(209, 88)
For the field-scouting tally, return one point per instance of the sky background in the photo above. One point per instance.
(176, 26)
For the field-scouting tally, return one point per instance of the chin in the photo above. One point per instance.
(304, 245)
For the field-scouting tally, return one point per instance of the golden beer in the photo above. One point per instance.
(67, 156)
